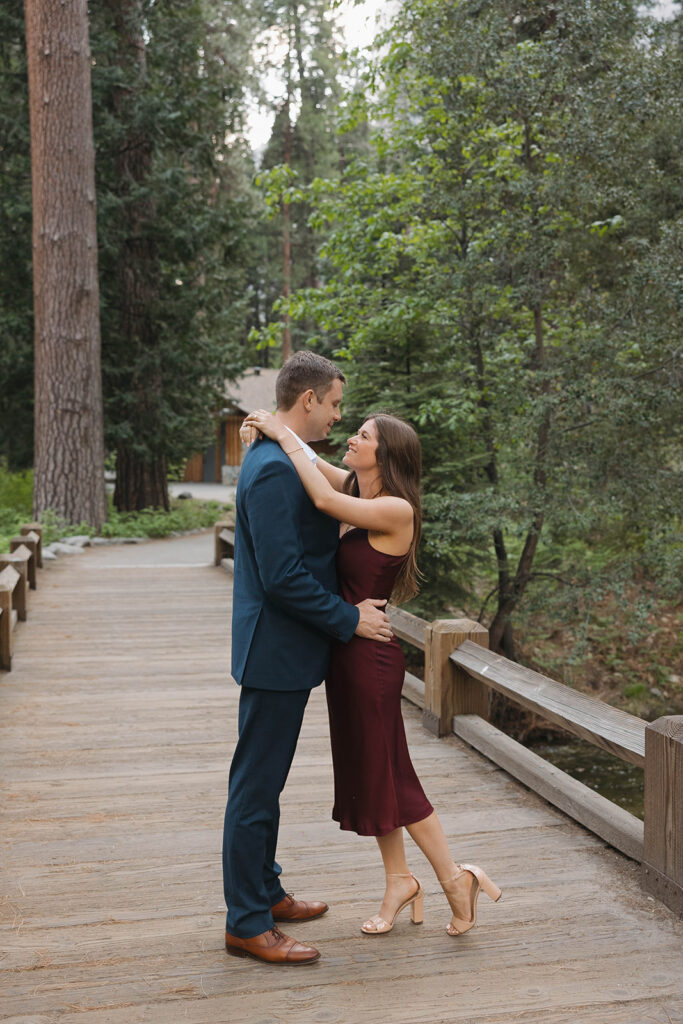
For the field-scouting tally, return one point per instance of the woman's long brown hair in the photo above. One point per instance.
(399, 457)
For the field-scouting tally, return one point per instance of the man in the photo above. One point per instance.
(286, 612)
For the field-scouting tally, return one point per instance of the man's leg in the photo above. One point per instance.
(269, 726)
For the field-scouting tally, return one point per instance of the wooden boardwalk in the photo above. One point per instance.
(118, 723)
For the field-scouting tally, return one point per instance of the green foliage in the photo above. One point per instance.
(189, 213)
(16, 490)
(191, 108)
(305, 144)
(501, 272)
(16, 289)
(16, 496)
(16, 502)
(183, 515)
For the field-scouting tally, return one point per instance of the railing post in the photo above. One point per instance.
(448, 690)
(219, 545)
(662, 869)
(19, 559)
(9, 577)
(38, 530)
(31, 541)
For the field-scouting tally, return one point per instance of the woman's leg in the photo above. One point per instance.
(430, 837)
(400, 884)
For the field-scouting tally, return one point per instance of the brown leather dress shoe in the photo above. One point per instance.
(271, 947)
(289, 909)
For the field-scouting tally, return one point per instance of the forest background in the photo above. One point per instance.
(480, 219)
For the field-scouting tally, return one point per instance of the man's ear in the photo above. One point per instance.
(307, 399)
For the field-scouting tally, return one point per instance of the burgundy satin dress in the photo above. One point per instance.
(376, 789)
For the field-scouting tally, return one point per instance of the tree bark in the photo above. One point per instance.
(140, 473)
(140, 483)
(509, 597)
(69, 444)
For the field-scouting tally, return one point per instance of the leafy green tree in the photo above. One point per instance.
(176, 225)
(523, 188)
(16, 286)
(304, 144)
(174, 216)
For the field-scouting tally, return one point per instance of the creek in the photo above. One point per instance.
(617, 780)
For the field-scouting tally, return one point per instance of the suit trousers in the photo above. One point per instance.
(269, 723)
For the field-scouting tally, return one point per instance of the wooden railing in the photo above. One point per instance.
(460, 673)
(18, 573)
(224, 544)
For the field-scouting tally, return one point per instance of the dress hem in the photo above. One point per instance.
(378, 831)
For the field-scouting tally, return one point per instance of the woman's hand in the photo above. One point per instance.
(248, 434)
(265, 423)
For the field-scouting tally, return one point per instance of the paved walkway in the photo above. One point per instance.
(204, 492)
(118, 723)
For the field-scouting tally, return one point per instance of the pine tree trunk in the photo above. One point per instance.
(142, 470)
(69, 445)
(140, 483)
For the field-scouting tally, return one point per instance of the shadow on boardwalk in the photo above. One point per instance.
(118, 723)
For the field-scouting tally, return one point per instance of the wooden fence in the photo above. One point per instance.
(461, 672)
(18, 574)
(455, 696)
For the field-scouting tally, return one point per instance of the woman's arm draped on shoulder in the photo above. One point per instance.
(332, 474)
(384, 515)
(336, 476)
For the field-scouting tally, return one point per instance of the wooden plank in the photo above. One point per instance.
(19, 560)
(32, 542)
(9, 579)
(219, 549)
(414, 690)
(609, 728)
(613, 824)
(407, 627)
(217, 459)
(117, 727)
(194, 469)
(233, 444)
(37, 529)
(448, 690)
(663, 856)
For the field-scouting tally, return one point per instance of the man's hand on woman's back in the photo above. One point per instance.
(373, 623)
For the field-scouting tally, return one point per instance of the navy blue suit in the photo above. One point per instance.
(286, 612)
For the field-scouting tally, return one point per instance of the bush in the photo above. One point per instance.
(152, 522)
(16, 501)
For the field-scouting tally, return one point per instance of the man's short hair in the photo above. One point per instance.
(302, 371)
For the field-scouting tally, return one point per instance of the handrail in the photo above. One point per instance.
(591, 719)
(460, 673)
(17, 573)
(408, 627)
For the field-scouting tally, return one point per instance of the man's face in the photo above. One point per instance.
(323, 415)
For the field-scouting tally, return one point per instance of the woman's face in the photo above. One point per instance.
(362, 451)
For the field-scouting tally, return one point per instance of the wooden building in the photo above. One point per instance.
(221, 461)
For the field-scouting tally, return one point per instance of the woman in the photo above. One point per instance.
(377, 792)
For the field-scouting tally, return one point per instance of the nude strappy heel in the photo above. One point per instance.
(480, 880)
(378, 926)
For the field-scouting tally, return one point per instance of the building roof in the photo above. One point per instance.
(254, 390)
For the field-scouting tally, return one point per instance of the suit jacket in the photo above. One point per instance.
(286, 610)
